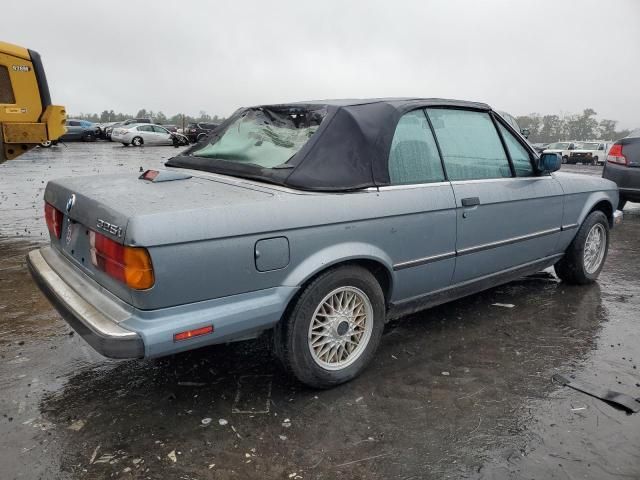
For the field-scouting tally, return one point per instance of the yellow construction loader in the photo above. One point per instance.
(27, 117)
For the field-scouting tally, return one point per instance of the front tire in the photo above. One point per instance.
(585, 256)
(331, 332)
(565, 159)
(137, 141)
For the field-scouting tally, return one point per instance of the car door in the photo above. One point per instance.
(73, 130)
(163, 137)
(147, 134)
(506, 215)
(418, 219)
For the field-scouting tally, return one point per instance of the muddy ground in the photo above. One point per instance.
(460, 391)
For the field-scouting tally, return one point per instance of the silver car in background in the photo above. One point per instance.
(147, 134)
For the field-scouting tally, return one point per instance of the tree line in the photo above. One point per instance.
(542, 128)
(581, 126)
(179, 119)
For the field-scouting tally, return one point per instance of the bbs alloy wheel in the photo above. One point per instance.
(340, 328)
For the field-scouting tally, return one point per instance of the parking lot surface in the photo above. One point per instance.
(459, 391)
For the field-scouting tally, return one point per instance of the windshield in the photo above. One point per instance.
(589, 146)
(263, 137)
(558, 146)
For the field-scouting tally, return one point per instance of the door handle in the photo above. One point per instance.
(470, 202)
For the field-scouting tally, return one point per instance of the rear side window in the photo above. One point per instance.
(470, 146)
(6, 91)
(518, 153)
(414, 156)
(145, 128)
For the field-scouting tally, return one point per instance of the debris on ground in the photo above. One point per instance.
(205, 421)
(172, 456)
(504, 305)
(94, 454)
(618, 399)
(223, 422)
(77, 425)
(191, 384)
(286, 423)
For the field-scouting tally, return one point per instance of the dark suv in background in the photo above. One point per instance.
(623, 167)
(197, 131)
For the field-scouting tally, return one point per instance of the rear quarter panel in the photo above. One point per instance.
(321, 229)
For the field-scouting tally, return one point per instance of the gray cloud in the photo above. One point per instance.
(544, 56)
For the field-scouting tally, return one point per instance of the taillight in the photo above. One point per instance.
(129, 265)
(615, 155)
(53, 216)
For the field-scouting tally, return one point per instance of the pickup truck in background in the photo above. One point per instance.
(563, 148)
(590, 153)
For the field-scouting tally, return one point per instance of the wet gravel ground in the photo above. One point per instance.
(460, 391)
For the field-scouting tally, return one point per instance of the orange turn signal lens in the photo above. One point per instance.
(193, 333)
(130, 265)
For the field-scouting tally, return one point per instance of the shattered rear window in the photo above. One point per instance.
(264, 137)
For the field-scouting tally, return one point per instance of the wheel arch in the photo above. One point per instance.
(369, 257)
(603, 205)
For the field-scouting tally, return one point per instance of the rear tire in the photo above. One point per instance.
(137, 141)
(584, 258)
(331, 332)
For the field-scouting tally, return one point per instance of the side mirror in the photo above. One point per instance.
(549, 162)
(525, 132)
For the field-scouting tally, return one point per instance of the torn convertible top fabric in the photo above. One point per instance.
(341, 144)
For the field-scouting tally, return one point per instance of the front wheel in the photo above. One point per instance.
(585, 256)
(565, 159)
(333, 329)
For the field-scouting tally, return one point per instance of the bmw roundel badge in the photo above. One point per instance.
(71, 202)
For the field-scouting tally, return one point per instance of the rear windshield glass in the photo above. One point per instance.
(264, 137)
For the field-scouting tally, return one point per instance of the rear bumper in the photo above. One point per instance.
(627, 179)
(99, 330)
(118, 330)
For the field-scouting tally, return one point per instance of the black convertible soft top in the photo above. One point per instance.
(349, 150)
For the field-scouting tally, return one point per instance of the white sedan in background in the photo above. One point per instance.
(146, 134)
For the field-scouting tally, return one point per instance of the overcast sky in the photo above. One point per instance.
(556, 56)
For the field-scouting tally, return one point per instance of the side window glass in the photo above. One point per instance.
(414, 156)
(6, 90)
(518, 153)
(145, 128)
(470, 146)
(159, 129)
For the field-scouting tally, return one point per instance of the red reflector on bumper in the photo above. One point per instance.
(193, 333)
